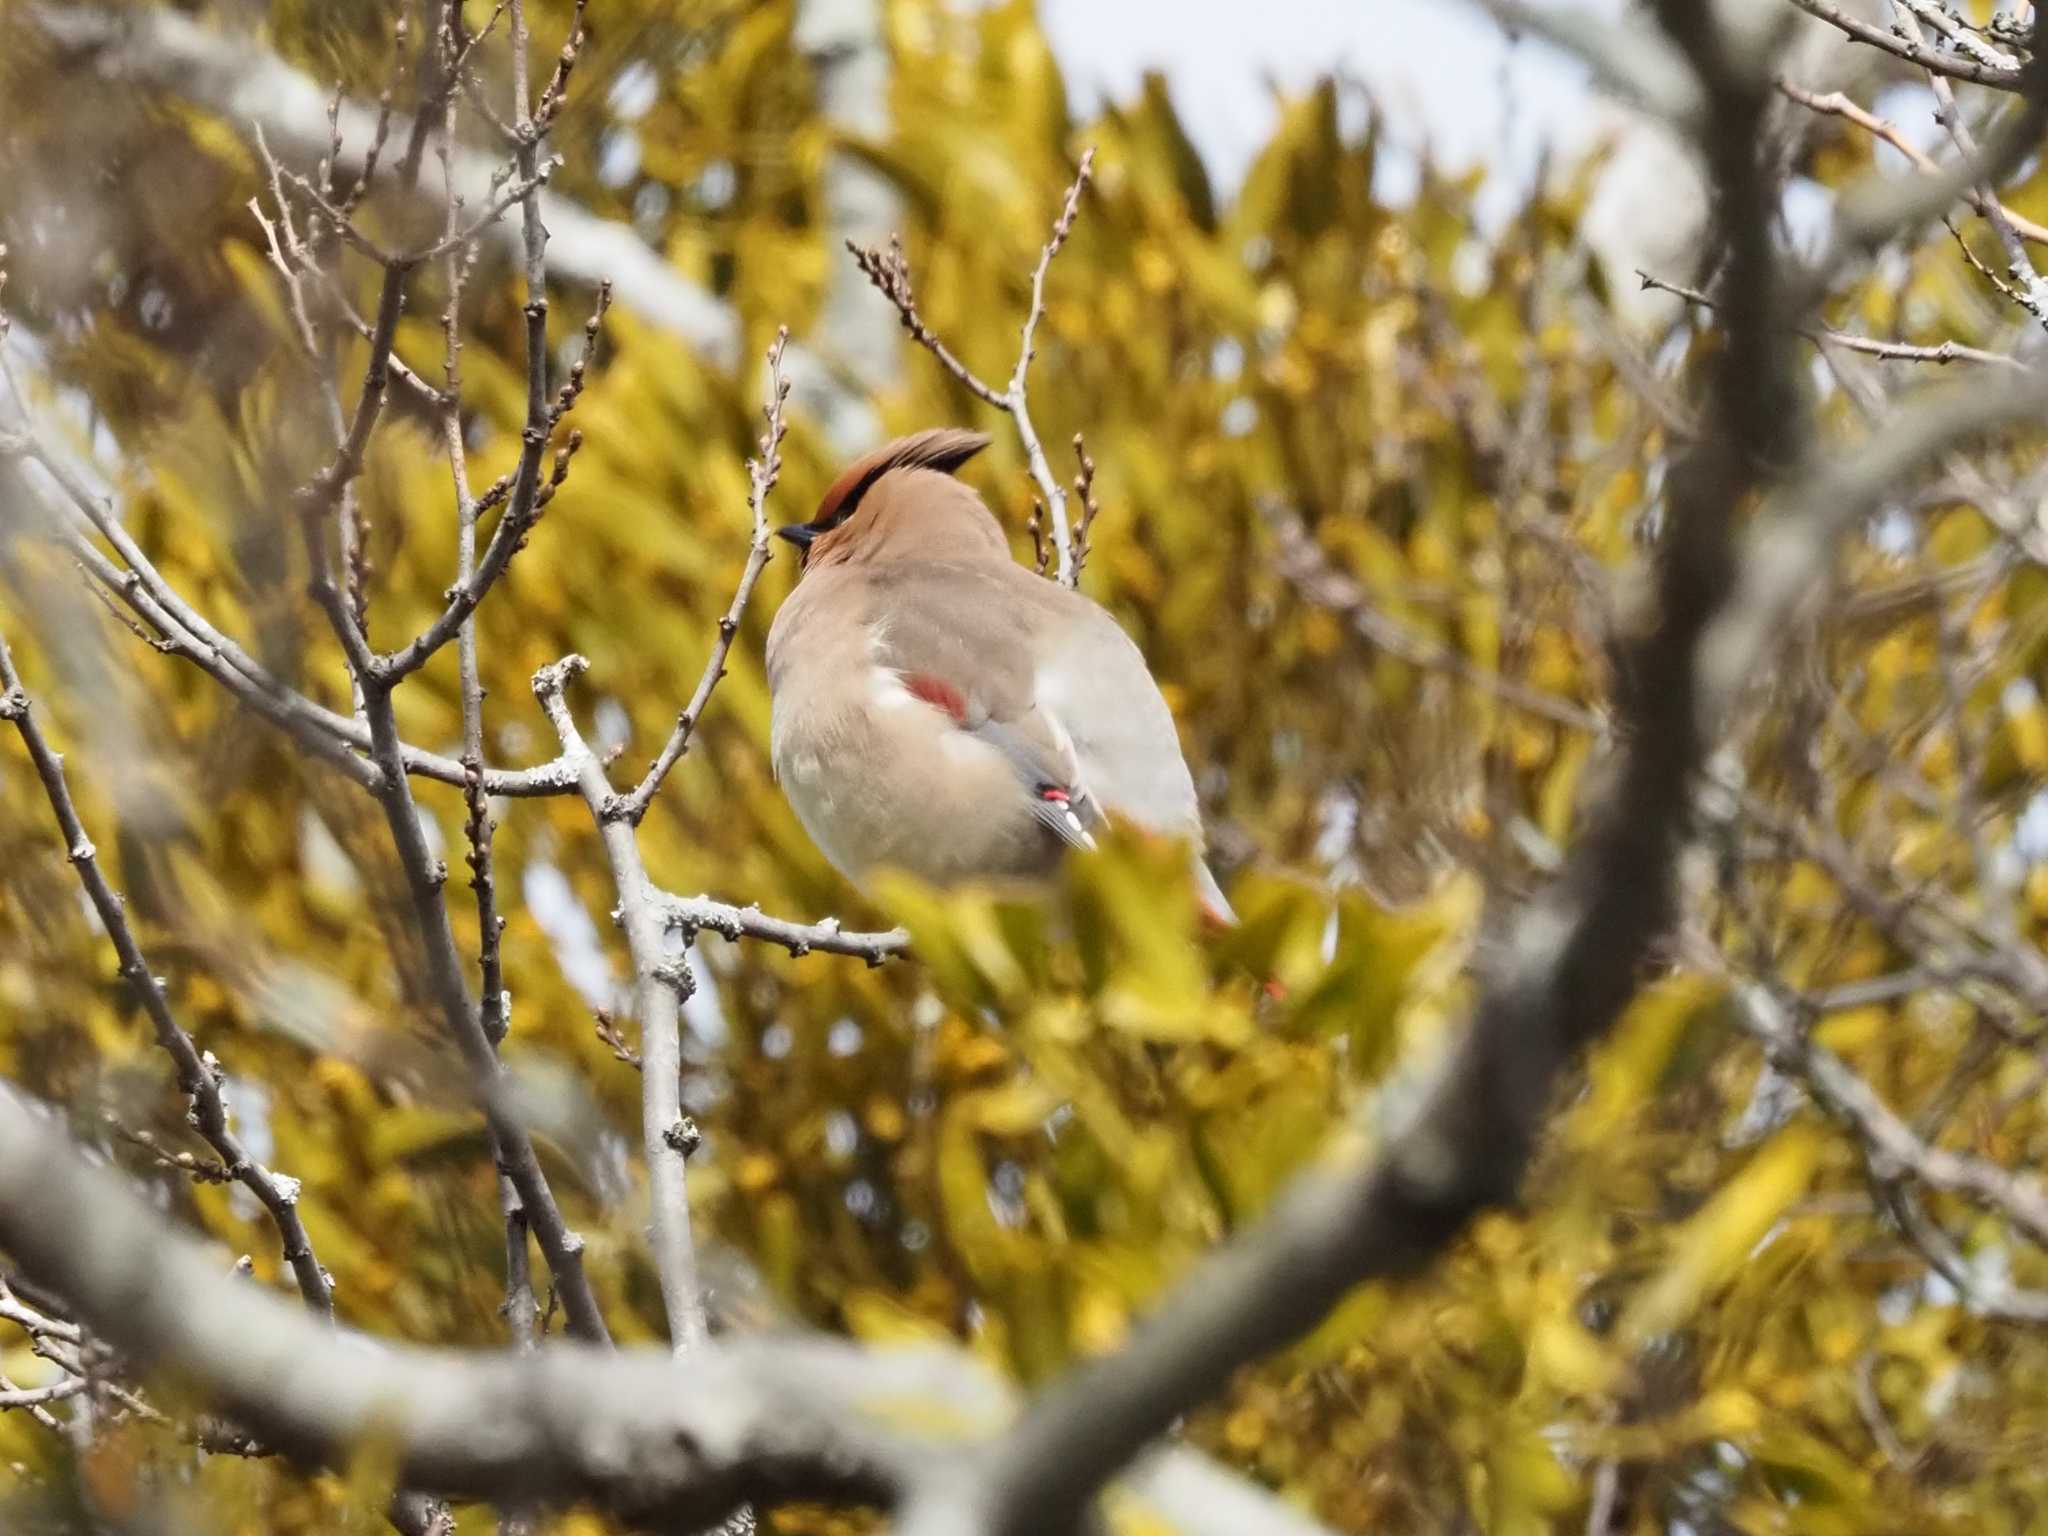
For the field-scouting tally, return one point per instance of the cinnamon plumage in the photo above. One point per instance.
(939, 709)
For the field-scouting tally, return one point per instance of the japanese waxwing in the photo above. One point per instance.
(941, 710)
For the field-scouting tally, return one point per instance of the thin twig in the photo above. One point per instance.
(556, 91)
(1836, 104)
(335, 485)
(694, 914)
(519, 191)
(762, 473)
(367, 172)
(1020, 411)
(890, 275)
(524, 497)
(520, 1310)
(1893, 351)
(529, 497)
(1084, 493)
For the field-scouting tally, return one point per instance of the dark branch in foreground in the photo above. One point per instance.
(662, 1442)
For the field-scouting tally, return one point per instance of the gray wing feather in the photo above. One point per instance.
(1087, 717)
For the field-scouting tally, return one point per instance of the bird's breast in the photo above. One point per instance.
(881, 777)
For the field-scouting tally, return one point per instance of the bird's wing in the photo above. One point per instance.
(959, 640)
(1053, 682)
(1096, 683)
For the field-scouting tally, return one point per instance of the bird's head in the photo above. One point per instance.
(901, 501)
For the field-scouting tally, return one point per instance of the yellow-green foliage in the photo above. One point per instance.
(1018, 1139)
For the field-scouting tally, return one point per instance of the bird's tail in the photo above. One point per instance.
(1215, 905)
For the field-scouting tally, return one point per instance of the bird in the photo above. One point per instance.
(938, 709)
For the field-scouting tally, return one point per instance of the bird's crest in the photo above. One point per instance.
(940, 448)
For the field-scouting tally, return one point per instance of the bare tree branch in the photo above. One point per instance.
(660, 983)
(425, 875)
(700, 914)
(1960, 36)
(1889, 1141)
(1891, 351)
(521, 1311)
(559, 1423)
(184, 632)
(2030, 292)
(1915, 50)
(1027, 348)
(889, 272)
(891, 278)
(1876, 210)
(199, 1076)
(1835, 104)
(168, 51)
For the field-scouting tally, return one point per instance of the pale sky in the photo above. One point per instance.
(1440, 69)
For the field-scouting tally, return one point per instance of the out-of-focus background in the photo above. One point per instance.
(1351, 321)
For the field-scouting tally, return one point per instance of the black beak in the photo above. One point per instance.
(799, 534)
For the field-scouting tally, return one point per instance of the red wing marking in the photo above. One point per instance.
(938, 693)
